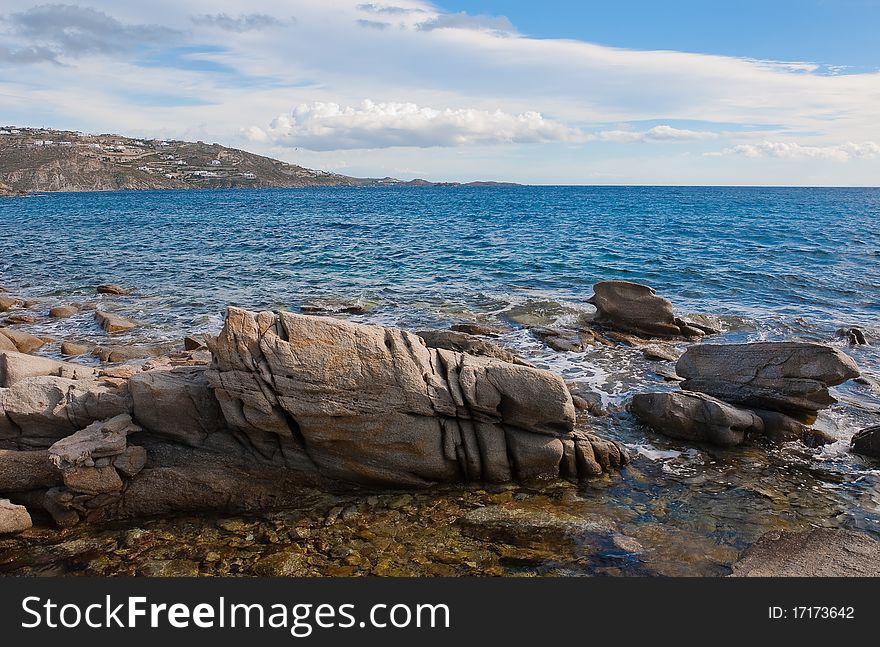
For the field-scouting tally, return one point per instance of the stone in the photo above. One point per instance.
(482, 329)
(375, 405)
(73, 349)
(23, 342)
(15, 367)
(116, 354)
(193, 343)
(660, 353)
(23, 471)
(98, 440)
(92, 480)
(13, 518)
(695, 417)
(780, 428)
(564, 340)
(178, 404)
(820, 552)
(58, 503)
(634, 308)
(8, 303)
(19, 318)
(113, 323)
(112, 288)
(854, 335)
(790, 377)
(867, 442)
(335, 306)
(130, 462)
(6, 343)
(465, 343)
(62, 312)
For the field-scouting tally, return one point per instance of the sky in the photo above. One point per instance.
(777, 92)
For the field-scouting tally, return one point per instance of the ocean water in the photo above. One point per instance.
(772, 263)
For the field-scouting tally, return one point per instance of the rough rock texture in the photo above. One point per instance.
(867, 442)
(8, 303)
(634, 308)
(21, 471)
(62, 312)
(15, 367)
(822, 552)
(113, 323)
(465, 343)
(72, 349)
(178, 404)
(6, 343)
(695, 417)
(23, 342)
(791, 377)
(486, 330)
(374, 405)
(13, 518)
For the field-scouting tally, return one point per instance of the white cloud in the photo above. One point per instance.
(462, 20)
(793, 151)
(329, 126)
(238, 24)
(657, 134)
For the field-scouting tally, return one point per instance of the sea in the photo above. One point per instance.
(769, 263)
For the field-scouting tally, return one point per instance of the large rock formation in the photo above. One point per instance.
(375, 405)
(634, 308)
(791, 377)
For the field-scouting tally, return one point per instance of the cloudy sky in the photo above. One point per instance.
(635, 91)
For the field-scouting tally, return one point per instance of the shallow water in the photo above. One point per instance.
(772, 263)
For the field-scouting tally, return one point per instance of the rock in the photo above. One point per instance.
(634, 308)
(518, 525)
(122, 372)
(57, 502)
(130, 462)
(193, 343)
(23, 342)
(99, 440)
(464, 343)
(112, 288)
(116, 354)
(478, 329)
(695, 417)
(19, 318)
(564, 340)
(8, 303)
(22, 471)
(780, 428)
(867, 442)
(178, 404)
(587, 399)
(660, 353)
(369, 404)
(335, 306)
(791, 377)
(821, 552)
(13, 518)
(15, 367)
(73, 349)
(112, 323)
(62, 312)
(6, 343)
(853, 335)
(708, 324)
(92, 480)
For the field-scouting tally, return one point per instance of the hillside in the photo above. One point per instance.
(40, 160)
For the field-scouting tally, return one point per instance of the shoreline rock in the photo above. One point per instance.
(112, 323)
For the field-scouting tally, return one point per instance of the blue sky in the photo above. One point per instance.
(626, 92)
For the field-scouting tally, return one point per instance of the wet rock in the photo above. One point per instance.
(15, 367)
(112, 288)
(13, 518)
(821, 552)
(586, 399)
(335, 306)
(73, 349)
(521, 525)
(867, 442)
(62, 312)
(635, 308)
(853, 335)
(8, 303)
(660, 353)
(289, 562)
(16, 319)
(565, 340)
(780, 428)
(791, 377)
(465, 343)
(695, 417)
(178, 404)
(113, 323)
(170, 568)
(482, 329)
(23, 342)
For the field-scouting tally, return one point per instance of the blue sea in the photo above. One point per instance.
(771, 263)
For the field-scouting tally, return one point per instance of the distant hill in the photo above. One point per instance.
(42, 160)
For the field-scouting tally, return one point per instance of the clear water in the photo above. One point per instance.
(774, 263)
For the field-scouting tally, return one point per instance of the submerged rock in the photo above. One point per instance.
(634, 308)
(62, 312)
(853, 335)
(821, 552)
(113, 323)
(112, 288)
(695, 417)
(485, 330)
(791, 377)
(867, 442)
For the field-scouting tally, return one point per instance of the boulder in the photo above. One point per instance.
(854, 335)
(15, 367)
(19, 318)
(23, 342)
(73, 349)
(100, 439)
(791, 377)
(635, 308)
(112, 288)
(8, 303)
(659, 353)
(695, 417)
(867, 442)
(6, 343)
(375, 405)
(113, 323)
(565, 340)
(13, 518)
(464, 343)
(62, 312)
(115, 354)
(485, 330)
(22, 471)
(178, 404)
